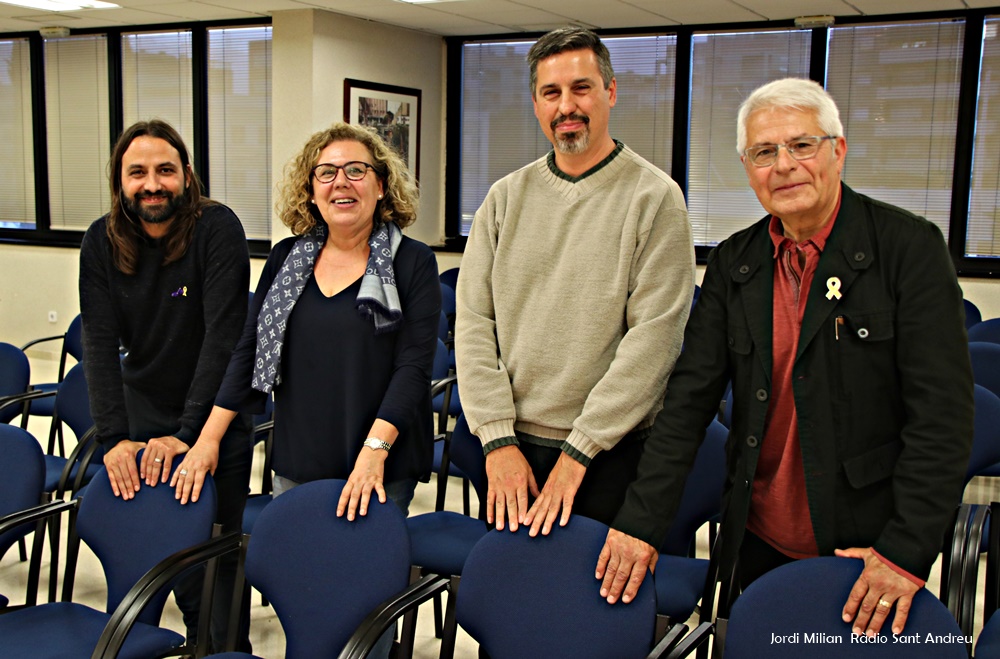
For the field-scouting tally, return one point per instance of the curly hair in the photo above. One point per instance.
(399, 204)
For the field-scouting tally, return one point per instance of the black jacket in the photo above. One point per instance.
(884, 396)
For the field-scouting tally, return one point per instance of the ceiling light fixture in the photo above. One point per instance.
(62, 5)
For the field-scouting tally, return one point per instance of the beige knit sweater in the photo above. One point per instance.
(572, 300)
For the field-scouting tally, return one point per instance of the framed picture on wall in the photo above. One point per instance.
(394, 112)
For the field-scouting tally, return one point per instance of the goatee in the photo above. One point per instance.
(575, 142)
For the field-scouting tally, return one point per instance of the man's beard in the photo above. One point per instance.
(158, 215)
(571, 143)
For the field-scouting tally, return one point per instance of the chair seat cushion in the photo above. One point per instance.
(234, 655)
(441, 541)
(679, 584)
(988, 644)
(68, 630)
(252, 511)
(54, 466)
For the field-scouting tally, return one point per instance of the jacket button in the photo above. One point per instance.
(731, 342)
(744, 269)
(863, 333)
(752, 441)
(859, 256)
(761, 395)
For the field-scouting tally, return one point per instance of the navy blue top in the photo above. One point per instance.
(337, 376)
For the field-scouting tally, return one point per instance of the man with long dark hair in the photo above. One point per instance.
(165, 276)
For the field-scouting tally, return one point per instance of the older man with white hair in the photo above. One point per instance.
(839, 321)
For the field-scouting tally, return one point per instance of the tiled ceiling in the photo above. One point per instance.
(473, 17)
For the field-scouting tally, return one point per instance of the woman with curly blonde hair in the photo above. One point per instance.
(342, 330)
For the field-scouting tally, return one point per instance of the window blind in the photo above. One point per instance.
(17, 167)
(897, 89)
(725, 68)
(76, 109)
(156, 80)
(983, 232)
(239, 118)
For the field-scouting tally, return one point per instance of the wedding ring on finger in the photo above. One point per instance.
(885, 604)
(157, 460)
(184, 472)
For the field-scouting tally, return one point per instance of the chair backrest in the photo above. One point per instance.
(987, 330)
(447, 300)
(467, 455)
(15, 374)
(702, 498)
(537, 597)
(73, 401)
(130, 537)
(450, 278)
(986, 435)
(322, 574)
(441, 361)
(22, 477)
(73, 340)
(794, 611)
(444, 327)
(986, 364)
(972, 314)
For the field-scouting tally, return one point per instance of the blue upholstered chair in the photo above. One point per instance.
(986, 330)
(537, 597)
(681, 578)
(795, 611)
(130, 538)
(22, 475)
(972, 314)
(15, 373)
(335, 585)
(72, 346)
(440, 541)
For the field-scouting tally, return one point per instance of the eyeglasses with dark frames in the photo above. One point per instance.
(326, 172)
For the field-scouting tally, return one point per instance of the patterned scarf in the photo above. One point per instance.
(378, 298)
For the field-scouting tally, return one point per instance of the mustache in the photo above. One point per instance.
(569, 117)
(158, 193)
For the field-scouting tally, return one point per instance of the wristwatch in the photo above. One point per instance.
(374, 443)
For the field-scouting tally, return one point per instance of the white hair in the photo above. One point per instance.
(796, 93)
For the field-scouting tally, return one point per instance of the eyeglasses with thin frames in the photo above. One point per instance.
(326, 172)
(801, 148)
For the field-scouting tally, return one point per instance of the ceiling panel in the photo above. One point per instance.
(704, 11)
(481, 16)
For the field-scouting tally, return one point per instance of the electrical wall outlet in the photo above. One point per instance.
(53, 317)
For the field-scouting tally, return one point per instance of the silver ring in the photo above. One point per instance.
(157, 460)
(184, 472)
(887, 605)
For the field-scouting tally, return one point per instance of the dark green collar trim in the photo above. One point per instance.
(551, 161)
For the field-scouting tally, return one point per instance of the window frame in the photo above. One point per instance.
(43, 234)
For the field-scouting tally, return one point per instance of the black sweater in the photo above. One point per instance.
(337, 376)
(177, 322)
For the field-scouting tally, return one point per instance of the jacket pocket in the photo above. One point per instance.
(872, 466)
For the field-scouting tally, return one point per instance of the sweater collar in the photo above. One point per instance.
(550, 160)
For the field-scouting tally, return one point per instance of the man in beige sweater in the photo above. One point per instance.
(574, 290)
